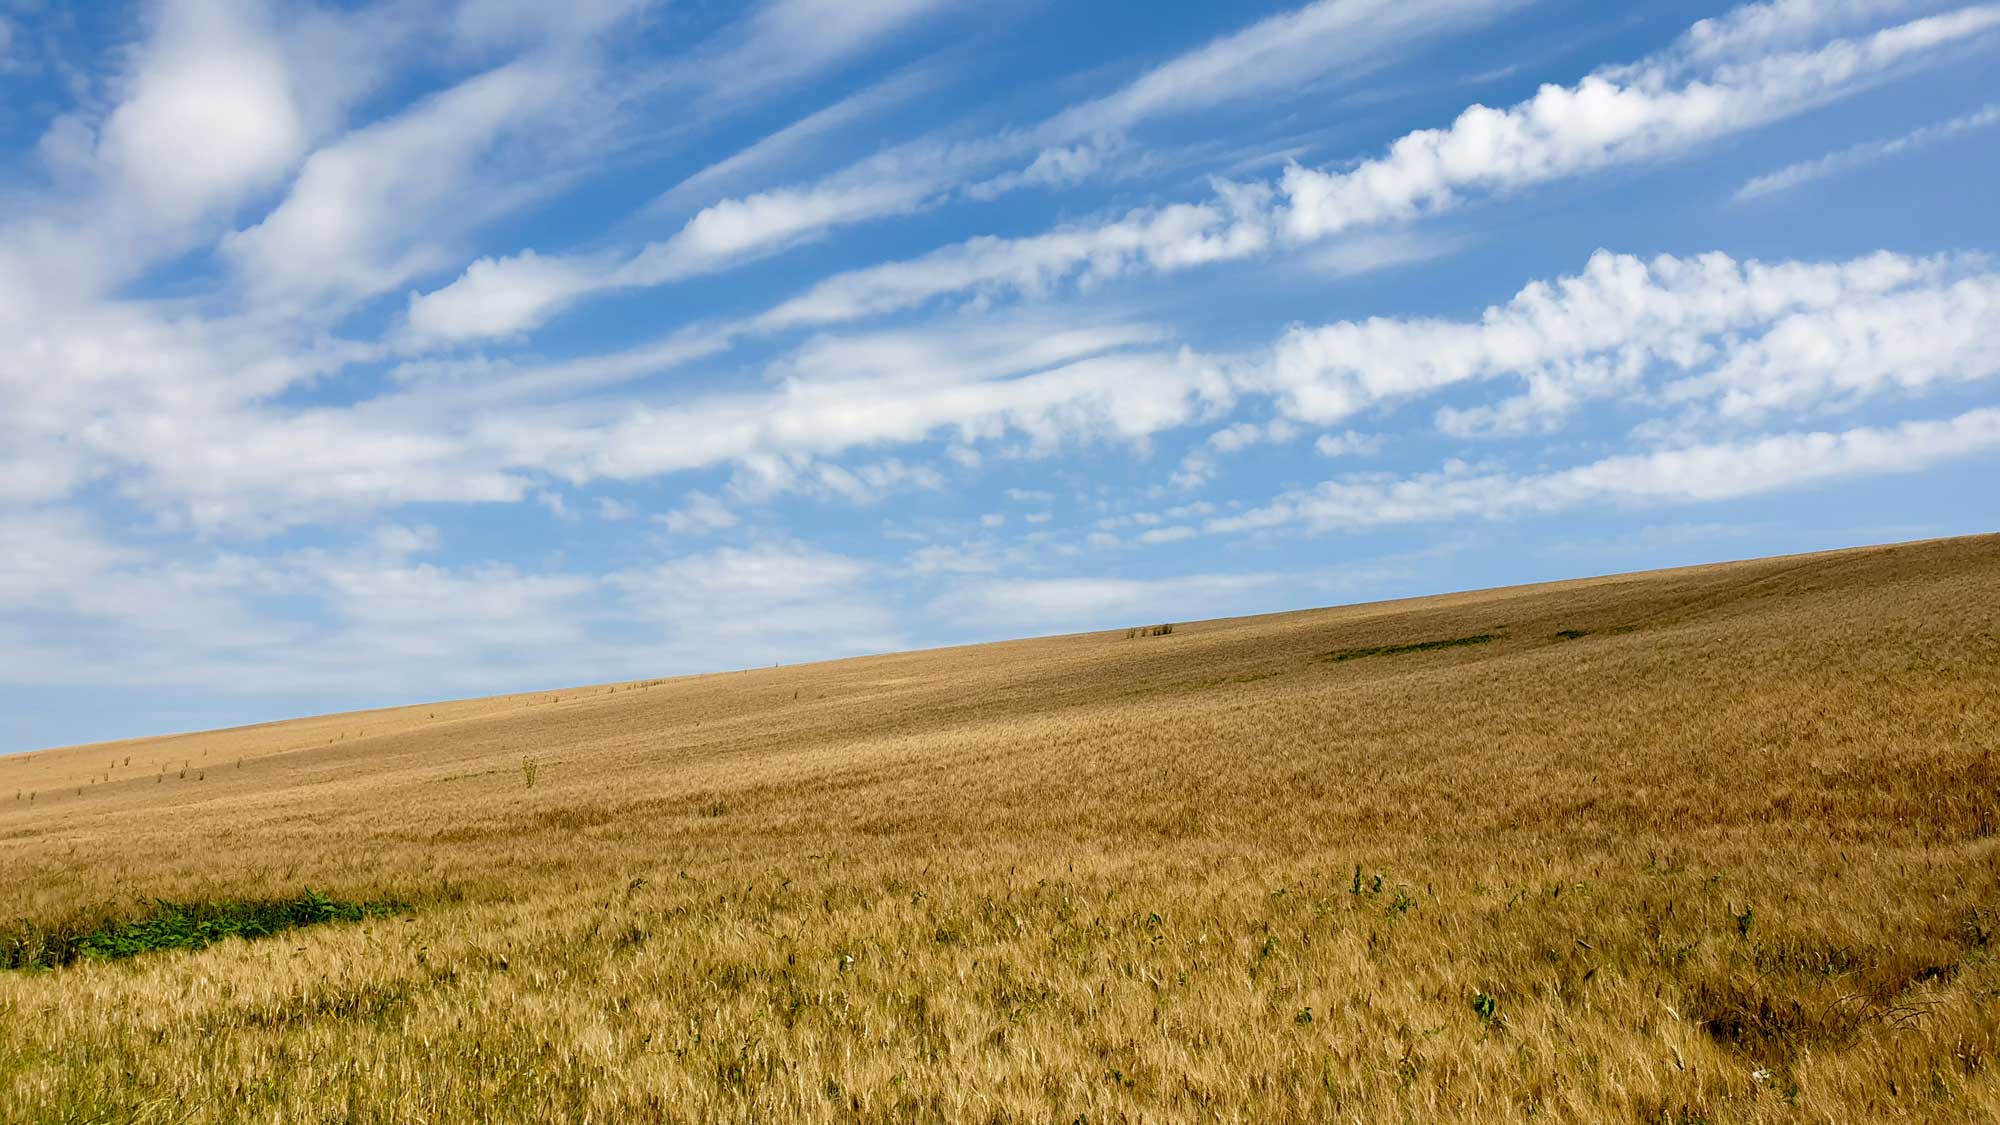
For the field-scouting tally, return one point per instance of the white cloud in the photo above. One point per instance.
(1696, 474)
(753, 605)
(1369, 253)
(783, 41)
(377, 619)
(259, 471)
(862, 484)
(1602, 120)
(1348, 444)
(1276, 53)
(505, 296)
(354, 221)
(1121, 397)
(1837, 355)
(1617, 116)
(490, 24)
(486, 381)
(1097, 603)
(212, 79)
(736, 230)
(788, 144)
(1589, 336)
(369, 616)
(701, 515)
(499, 297)
(1758, 28)
(979, 557)
(1861, 155)
(1160, 239)
(1200, 465)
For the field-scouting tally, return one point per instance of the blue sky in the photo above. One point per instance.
(357, 354)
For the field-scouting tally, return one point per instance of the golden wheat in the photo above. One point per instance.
(1716, 844)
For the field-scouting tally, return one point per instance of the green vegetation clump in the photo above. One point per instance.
(177, 925)
(1339, 655)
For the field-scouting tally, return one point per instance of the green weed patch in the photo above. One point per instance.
(176, 925)
(1339, 655)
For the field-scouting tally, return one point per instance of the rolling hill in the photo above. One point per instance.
(1707, 844)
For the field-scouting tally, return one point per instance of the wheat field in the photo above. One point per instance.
(1702, 845)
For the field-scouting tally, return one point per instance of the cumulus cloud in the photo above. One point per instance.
(1839, 355)
(1603, 120)
(1601, 332)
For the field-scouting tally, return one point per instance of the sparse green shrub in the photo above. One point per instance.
(1487, 1008)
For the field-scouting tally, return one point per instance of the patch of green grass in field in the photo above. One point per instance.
(176, 925)
(1339, 655)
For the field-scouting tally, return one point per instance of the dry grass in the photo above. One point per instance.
(1714, 844)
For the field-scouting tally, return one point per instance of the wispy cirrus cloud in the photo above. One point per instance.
(1704, 473)
(1642, 114)
(1331, 36)
(1861, 155)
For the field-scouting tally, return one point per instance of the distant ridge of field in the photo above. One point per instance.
(1716, 843)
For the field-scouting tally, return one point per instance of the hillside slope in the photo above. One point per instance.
(1716, 843)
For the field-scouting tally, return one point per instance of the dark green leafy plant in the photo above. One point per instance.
(1485, 1006)
(1339, 655)
(177, 925)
